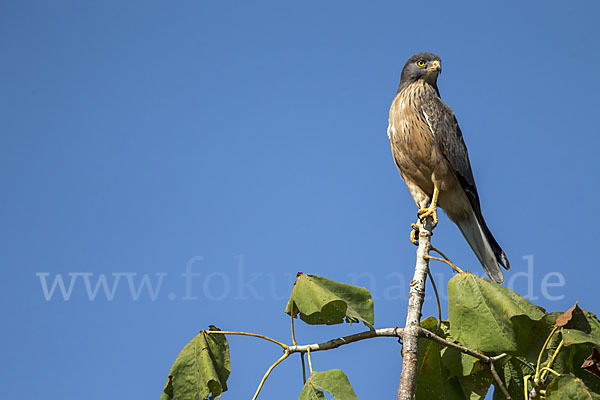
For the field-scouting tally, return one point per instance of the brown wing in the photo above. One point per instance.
(449, 138)
(450, 141)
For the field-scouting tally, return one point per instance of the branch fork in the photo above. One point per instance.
(409, 335)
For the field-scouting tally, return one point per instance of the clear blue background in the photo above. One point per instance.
(136, 135)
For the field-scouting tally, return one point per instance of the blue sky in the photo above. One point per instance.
(247, 140)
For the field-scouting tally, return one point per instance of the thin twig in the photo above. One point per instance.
(262, 382)
(536, 377)
(284, 346)
(433, 337)
(444, 256)
(454, 267)
(437, 300)
(330, 344)
(384, 332)
(550, 370)
(549, 365)
(335, 343)
(303, 369)
(390, 332)
(296, 344)
(525, 380)
(292, 318)
(309, 360)
(525, 363)
(499, 382)
(487, 359)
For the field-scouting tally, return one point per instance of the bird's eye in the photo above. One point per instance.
(421, 63)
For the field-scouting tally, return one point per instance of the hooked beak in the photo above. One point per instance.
(435, 66)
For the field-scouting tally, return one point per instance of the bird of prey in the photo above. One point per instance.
(432, 158)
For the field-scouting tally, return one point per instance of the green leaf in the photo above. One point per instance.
(457, 375)
(201, 369)
(457, 363)
(567, 387)
(577, 354)
(334, 382)
(452, 360)
(430, 323)
(312, 393)
(431, 368)
(476, 385)
(512, 376)
(323, 301)
(583, 327)
(563, 363)
(531, 335)
(569, 359)
(480, 313)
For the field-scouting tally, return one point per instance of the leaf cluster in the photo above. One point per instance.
(544, 351)
(540, 355)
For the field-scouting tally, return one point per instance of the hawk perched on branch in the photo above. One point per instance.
(432, 158)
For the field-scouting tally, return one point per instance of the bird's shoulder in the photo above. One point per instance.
(438, 113)
(449, 138)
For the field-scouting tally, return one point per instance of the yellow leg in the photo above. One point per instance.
(431, 211)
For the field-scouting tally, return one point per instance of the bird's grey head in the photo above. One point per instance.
(425, 66)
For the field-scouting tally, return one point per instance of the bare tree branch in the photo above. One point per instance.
(499, 381)
(413, 330)
(370, 334)
(489, 360)
(410, 339)
(410, 334)
(335, 343)
(435, 338)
